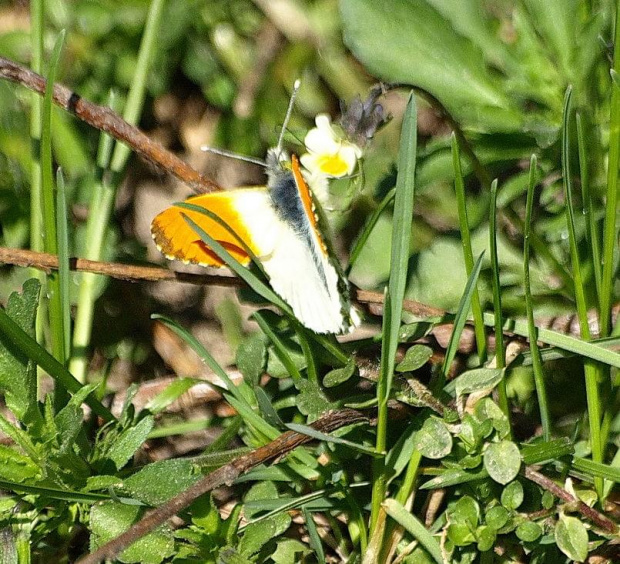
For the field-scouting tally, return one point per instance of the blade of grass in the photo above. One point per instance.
(610, 233)
(367, 230)
(592, 373)
(313, 534)
(50, 238)
(401, 236)
(459, 322)
(414, 527)
(101, 209)
(592, 234)
(37, 19)
(459, 186)
(500, 353)
(29, 347)
(64, 273)
(539, 378)
(306, 430)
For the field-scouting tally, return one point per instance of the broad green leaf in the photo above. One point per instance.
(16, 467)
(486, 538)
(257, 535)
(129, 441)
(290, 551)
(502, 461)
(205, 515)
(415, 357)
(109, 519)
(311, 400)
(18, 377)
(479, 380)
(156, 483)
(251, 357)
(571, 537)
(461, 534)
(409, 42)
(339, 375)
(433, 440)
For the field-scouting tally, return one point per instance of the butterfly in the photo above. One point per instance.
(280, 224)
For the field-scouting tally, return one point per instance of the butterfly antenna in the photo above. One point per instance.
(232, 155)
(289, 111)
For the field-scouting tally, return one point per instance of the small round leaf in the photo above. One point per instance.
(502, 461)
(434, 440)
(512, 496)
(529, 531)
(497, 517)
(415, 357)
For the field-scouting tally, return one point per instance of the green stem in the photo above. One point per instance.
(103, 205)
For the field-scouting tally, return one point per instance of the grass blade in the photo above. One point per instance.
(64, 274)
(500, 353)
(610, 234)
(53, 289)
(539, 378)
(460, 319)
(592, 372)
(414, 527)
(459, 185)
(401, 236)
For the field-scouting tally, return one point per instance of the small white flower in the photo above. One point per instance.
(329, 153)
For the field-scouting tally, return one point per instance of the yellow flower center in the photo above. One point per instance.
(333, 165)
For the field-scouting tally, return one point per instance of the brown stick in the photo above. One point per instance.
(132, 273)
(224, 475)
(592, 514)
(105, 119)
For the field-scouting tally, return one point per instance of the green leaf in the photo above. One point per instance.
(109, 519)
(465, 510)
(433, 440)
(156, 483)
(415, 357)
(496, 517)
(18, 377)
(502, 461)
(251, 357)
(306, 430)
(415, 528)
(512, 495)
(571, 537)
(407, 42)
(338, 376)
(311, 400)
(257, 535)
(16, 467)
(479, 380)
(170, 394)
(486, 538)
(290, 551)
(129, 441)
(205, 515)
(453, 477)
(461, 534)
(529, 531)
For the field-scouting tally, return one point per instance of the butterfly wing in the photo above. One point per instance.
(246, 211)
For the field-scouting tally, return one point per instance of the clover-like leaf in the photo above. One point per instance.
(502, 461)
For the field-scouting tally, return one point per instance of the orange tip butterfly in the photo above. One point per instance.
(279, 223)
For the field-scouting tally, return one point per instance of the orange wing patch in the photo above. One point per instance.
(306, 198)
(176, 239)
